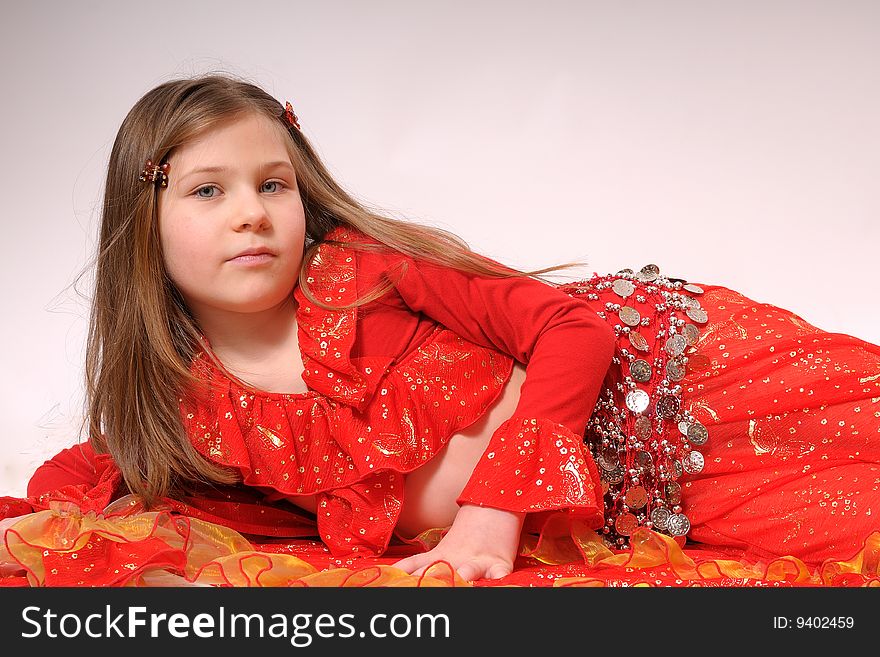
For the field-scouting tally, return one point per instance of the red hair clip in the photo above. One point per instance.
(289, 117)
(155, 174)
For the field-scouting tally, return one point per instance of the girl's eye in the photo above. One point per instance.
(203, 188)
(200, 189)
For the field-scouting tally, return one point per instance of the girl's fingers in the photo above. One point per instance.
(408, 564)
(469, 571)
(417, 571)
(498, 570)
(401, 563)
(416, 564)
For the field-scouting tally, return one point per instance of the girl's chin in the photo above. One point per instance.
(250, 306)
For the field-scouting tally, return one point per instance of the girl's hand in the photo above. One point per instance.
(481, 543)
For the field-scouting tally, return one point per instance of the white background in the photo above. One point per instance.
(734, 143)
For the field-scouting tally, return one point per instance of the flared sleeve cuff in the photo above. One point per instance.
(533, 465)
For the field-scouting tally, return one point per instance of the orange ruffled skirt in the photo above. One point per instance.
(789, 494)
(124, 546)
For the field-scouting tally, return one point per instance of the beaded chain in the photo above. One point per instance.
(639, 435)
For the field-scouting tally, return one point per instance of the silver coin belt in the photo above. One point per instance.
(639, 435)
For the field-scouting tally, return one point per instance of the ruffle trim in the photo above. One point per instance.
(315, 445)
(533, 465)
(124, 546)
(326, 337)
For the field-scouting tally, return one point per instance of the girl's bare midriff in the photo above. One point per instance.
(431, 490)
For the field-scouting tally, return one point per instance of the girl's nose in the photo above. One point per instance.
(251, 214)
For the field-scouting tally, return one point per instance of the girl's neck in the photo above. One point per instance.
(248, 337)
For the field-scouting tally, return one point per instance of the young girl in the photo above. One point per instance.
(267, 354)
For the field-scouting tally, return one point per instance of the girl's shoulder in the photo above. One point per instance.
(366, 260)
(346, 233)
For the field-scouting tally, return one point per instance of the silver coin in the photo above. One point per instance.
(638, 341)
(683, 426)
(626, 524)
(678, 524)
(659, 516)
(636, 497)
(693, 463)
(697, 433)
(608, 459)
(677, 469)
(673, 492)
(675, 345)
(643, 427)
(696, 289)
(629, 316)
(675, 370)
(623, 287)
(697, 314)
(650, 272)
(637, 401)
(689, 302)
(691, 334)
(625, 271)
(644, 460)
(640, 370)
(667, 406)
(614, 476)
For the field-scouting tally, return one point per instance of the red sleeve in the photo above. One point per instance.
(72, 466)
(536, 460)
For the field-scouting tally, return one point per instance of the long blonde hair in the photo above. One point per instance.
(142, 337)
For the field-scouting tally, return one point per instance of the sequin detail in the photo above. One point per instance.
(639, 433)
(535, 464)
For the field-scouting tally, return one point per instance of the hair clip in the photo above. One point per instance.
(289, 117)
(155, 174)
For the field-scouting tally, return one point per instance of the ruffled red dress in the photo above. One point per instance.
(654, 411)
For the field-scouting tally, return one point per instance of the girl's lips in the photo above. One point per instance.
(253, 259)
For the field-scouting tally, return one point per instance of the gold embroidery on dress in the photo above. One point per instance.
(721, 296)
(443, 353)
(765, 440)
(496, 367)
(391, 505)
(391, 444)
(340, 329)
(702, 405)
(802, 324)
(725, 330)
(791, 517)
(270, 438)
(574, 483)
(339, 277)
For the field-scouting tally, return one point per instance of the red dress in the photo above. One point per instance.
(649, 403)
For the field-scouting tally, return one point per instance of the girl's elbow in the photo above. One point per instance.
(602, 335)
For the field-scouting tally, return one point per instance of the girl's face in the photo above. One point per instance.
(232, 237)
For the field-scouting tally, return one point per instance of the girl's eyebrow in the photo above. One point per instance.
(222, 169)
